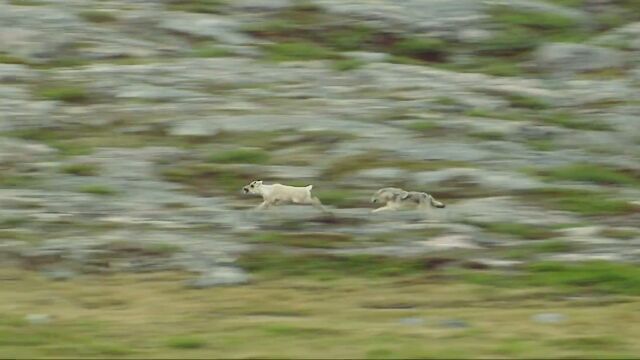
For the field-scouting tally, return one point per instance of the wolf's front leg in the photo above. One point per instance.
(384, 208)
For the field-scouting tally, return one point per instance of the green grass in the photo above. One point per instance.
(352, 38)
(587, 203)
(527, 102)
(242, 156)
(488, 135)
(351, 316)
(82, 140)
(10, 59)
(329, 266)
(601, 277)
(347, 64)
(339, 197)
(98, 16)
(493, 114)
(430, 49)
(508, 43)
(81, 169)
(26, 2)
(209, 179)
(593, 173)
(541, 144)
(211, 51)
(529, 251)
(524, 231)
(351, 164)
(18, 180)
(101, 190)
(569, 121)
(196, 6)
(66, 93)
(298, 51)
(186, 342)
(623, 234)
(542, 21)
(304, 240)
(425, 126)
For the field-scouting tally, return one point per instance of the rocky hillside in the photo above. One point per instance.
(127, 129)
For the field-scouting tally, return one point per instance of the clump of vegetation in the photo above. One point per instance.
(524, 231)
(299, 51)
(196, 6)
(81, 169)
(26, 2)
(425, 127)
(329, 266)
(593, 173)
(305, 240)
(98, 16)
(527, 102)
(347, 64)
(427, 49)
(338, 198)
(488, 135)
(186, 342)
(10, 59)
(569, 121)
(539, 247)
(543, 21)
(211, 51)
(623, 234)
(242, 156)
(66, 93)
(206, 179)
(591, 276)
(493, 114)
(589, 203)
(101, 190)
(541, 144)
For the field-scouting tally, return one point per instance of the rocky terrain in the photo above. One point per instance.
(127, 129)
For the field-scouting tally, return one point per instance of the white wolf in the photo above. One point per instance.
(279, 194)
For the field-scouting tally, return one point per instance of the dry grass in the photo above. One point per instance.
(152, 316)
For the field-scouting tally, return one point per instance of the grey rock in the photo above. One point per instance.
(626, 37)
(219, 276)
(548, 318)
(59, 274)
(454, 324)
(566, 57)
(367, 56)
(220, 28)
(477, 177)
(155, 93)
(38, 319)
(411, 321)
(448, 242)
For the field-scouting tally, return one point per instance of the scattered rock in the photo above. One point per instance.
(38, 319)
(567, 57)
(411, 321)
(219, 276)
(454, 324)
(59, 274)
(549, 318)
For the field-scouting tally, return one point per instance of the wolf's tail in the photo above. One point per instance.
(436, 203)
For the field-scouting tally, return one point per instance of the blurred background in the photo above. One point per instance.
(127, 129)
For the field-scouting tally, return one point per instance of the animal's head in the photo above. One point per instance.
(253, 188)
(386, 195)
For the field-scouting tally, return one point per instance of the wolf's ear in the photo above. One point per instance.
(404, 195)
